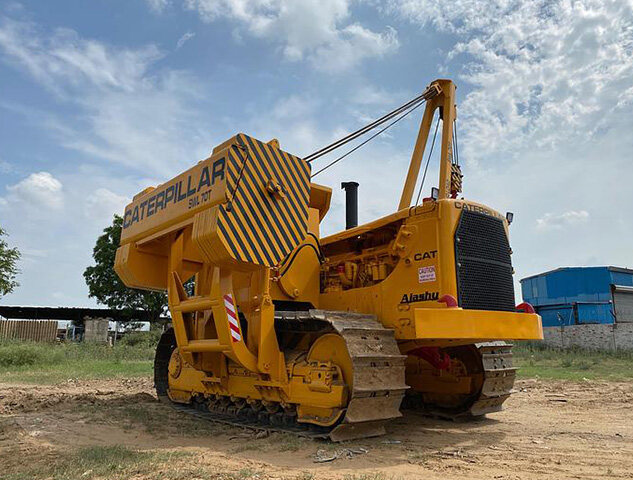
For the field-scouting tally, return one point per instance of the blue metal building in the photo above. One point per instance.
(581, 295)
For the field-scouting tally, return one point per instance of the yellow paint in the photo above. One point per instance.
(475, 325)
(248, 228)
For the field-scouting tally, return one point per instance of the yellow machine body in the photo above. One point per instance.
(413, 269)
(270, 317)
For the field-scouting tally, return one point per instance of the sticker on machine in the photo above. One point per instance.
(426, 274)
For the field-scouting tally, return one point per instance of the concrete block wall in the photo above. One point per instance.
(591, 336)
(96, 330)
(623, 336)
(553, 336)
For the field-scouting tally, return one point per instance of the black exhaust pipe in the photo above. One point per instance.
(351, 204)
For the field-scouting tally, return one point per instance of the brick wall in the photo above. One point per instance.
(590, 336)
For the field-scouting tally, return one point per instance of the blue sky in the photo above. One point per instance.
(101, 99)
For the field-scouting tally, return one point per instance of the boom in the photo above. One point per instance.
(450, 175)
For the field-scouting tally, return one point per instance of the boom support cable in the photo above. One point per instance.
(428, 159)
(429, 93)
(411, 109)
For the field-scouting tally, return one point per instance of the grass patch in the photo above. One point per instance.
(247, 447)
(540, 361)
(122, 463)
(133, 357)
(291, 443)
(52, 363)
(87, 463)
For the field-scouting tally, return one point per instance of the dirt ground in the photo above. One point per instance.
(550, 429)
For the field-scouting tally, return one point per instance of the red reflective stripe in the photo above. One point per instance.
(234, 325)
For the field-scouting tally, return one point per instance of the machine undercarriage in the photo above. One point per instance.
(477, 381)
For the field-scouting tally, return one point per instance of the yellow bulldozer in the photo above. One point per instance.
(275, 327)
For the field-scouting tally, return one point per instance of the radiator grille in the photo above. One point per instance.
(484, 267)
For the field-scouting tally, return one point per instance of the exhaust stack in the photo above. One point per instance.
(351, 204)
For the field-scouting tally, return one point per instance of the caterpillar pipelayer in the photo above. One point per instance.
(275, 327)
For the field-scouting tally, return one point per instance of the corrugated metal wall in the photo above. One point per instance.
(568, 285)
(623, 300)
(557, 315)
(35, 330)
(579, 295)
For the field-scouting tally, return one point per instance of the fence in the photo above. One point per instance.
(35, 330)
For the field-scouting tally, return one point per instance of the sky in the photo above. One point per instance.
(100, 99)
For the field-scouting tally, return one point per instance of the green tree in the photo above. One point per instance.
(106, 286)
(8, 266)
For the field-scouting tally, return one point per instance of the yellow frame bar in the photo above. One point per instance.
(456, 323)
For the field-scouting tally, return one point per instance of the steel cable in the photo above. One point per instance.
(428, 159)
(429, 93)
(411, 109)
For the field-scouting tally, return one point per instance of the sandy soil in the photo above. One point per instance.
(550, 429)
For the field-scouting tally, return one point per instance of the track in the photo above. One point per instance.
(378, 384)
(498, 379)
(499, 376)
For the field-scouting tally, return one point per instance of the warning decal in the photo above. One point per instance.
(426, 274)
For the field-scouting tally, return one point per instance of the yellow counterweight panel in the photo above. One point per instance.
(247, 204)
(266, 215)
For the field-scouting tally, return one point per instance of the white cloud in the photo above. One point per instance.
(544, 73)
(313, 30)
(565, 219)
(184, 39)
(57, 242)
(103, 203)
(39, 190)
(147, 131)
(371, 95)
(294, 106)
(31, 257)
(157, 6)
(117, 108)
(545, 123)
(126, 113)
(351, 46)
(64, 59)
